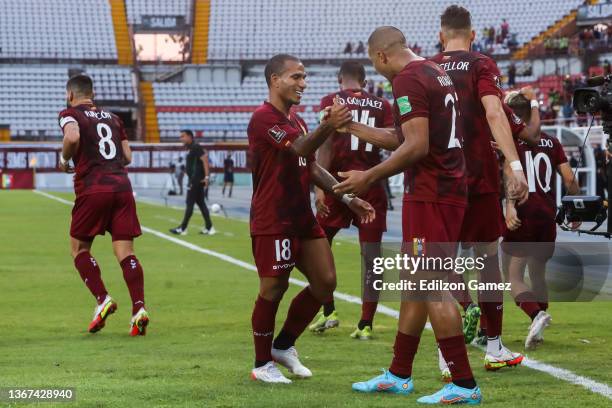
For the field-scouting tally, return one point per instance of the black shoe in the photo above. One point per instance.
(178, 231)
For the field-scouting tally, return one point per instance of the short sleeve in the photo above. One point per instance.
(516, 123)
(267, 128)
(411, 99)
(558, 153)
(387, 114)
(65, 117)
(488, 78)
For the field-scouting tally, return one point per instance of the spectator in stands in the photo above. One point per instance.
(360, 48)
(348, 49)
(505, 29)
(491, 38)
(568, 111)
(512, 75)
(380, 90)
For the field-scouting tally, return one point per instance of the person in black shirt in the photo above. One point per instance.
(228, 177)
(198, 173)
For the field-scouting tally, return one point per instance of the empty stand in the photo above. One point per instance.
(138, 8)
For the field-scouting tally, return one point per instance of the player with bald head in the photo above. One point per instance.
(427, 141)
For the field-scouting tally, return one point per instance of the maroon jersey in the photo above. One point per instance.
(475, 75)
(99, 161)
(540, 164)
(281, 180)
(348, 152)
(516, 123)
(423, 89)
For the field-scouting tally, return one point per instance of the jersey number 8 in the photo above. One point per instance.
(106, 138)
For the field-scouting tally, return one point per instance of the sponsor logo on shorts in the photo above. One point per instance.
(277, 133)
(284, 266)
(403, 104)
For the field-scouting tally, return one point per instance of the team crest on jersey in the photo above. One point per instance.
(403, 105)
(277, 133)
(497, 80)
(418, 246)
(516, 119)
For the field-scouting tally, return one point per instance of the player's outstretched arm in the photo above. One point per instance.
(324, 180)
(413, 149)
(127, 152)
(70, 145)
(569, 180)
(531, 133)
(500, 128)
(305, 145)
(384, 138)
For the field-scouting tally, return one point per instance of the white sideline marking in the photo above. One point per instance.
(559, 373)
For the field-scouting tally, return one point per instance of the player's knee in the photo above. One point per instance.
(325, 286)
(273, 291)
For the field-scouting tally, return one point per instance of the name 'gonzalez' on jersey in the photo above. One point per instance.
(423, 89)
(281, 179)
(99, 160)
(348, 152)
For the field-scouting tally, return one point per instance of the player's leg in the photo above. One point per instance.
(370, 244)
(231, 186)
(223, 189)
(327, 318)
(199, 200)
(316, 262)
(537, 273)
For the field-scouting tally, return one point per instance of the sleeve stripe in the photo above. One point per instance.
(64, 121)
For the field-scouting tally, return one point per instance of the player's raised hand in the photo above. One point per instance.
(528, 92)
(356, 182)
(339, 115)
(517, 188)
(363, 209)
(322, 209)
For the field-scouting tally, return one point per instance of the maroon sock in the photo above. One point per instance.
(526, 301)
(404, 350)
(491, 301)
(543, 305)
(368, 309)
(262, 321)
(90, 273)
(303, 309)
(134, 278)
(483, 318)
(455, 354)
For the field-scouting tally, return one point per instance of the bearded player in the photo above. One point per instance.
(341, 152)
(429, 134)
(284, 231)
(96, 142)
(531, 227)
(478, 83)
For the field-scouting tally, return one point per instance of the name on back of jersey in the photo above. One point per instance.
(455, 66)
(97, 114)
(363, 102)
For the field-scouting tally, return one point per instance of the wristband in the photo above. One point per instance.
(516, 166)
(534, 104)
(347, 198)
(62, 160)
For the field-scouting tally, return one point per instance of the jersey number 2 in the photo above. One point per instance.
(452, 141)
(106, 139)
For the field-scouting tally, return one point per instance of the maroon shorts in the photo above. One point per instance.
(483, 221)
(276, 255)
(431, 223)
(340, 216)
(535, 239)
(94, 214)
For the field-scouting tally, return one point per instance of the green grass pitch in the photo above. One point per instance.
(199, 352)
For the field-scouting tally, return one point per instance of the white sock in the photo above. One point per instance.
(494, 345)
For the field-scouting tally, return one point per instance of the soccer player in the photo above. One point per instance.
(427, 140)
(342, 152)
(285, 233)
(478, 85)
(532, 230)
(198, 176)
(96, 142)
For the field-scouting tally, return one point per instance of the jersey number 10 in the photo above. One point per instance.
(366, 120)
(106, 139)
(532, 165)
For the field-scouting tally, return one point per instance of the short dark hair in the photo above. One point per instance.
(80, 84)
(187, 132)
(456, 18)
(276, 65)
(352, 69)
(520, 105)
